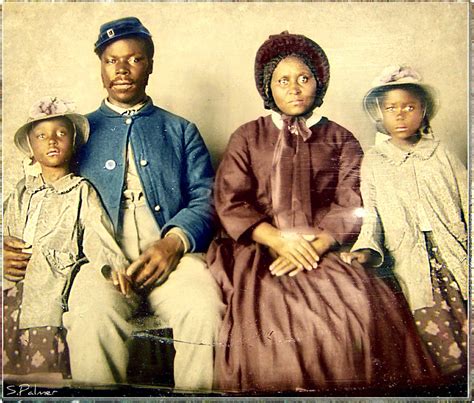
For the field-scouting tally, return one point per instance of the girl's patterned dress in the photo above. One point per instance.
(443, 326)
(35, 350)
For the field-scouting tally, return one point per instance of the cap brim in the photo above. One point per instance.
(107, 41)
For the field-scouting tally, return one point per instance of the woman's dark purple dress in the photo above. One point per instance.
(338, 327)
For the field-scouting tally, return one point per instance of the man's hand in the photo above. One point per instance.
(16, 254)
(157, 262)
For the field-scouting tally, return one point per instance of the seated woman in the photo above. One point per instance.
(287, 195)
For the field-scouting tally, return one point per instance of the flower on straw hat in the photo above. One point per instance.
(47, 108)
(397, 74)
(50, 106)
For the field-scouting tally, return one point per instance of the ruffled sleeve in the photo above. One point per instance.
(12, 220)
(99, 245)
(460, 177)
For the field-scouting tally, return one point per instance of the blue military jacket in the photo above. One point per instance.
(172, 161)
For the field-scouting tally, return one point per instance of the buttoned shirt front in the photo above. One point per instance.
(134, 209)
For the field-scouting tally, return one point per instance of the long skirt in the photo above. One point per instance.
(444, 325)
(33, 350)
(336, 328)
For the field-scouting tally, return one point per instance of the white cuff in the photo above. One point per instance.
(180, 233)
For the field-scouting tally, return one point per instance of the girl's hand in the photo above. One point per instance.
(121, 282)
(364, 256)
(16, 254)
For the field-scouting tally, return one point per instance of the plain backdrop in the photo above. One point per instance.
(205, 54)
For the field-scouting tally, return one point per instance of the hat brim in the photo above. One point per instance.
(373, 110)
(80, 122)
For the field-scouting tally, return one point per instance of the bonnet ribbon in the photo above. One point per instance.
(290, 175)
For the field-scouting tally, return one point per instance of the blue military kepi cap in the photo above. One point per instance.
(113, 30)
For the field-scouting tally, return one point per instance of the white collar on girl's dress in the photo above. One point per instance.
(277, 120)
(423, 150)
(62, 185)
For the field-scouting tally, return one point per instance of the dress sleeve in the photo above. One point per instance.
(371, 234)
(342, 220)
(11, 215)
(460, 176)
(235, 189)
(98, 242)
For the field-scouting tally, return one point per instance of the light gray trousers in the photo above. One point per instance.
(190, 302)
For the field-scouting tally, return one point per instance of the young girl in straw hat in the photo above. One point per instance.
(287, 194)
(53, 223)
(416, 214)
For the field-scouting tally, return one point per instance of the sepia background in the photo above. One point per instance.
(205, 53)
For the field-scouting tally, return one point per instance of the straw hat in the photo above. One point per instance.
(48, 108)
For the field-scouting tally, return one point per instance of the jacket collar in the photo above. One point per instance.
(423, 150)
(63, 185)
(109, 112)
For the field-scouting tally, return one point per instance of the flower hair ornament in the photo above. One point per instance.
(397, 74)
(48, 108)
